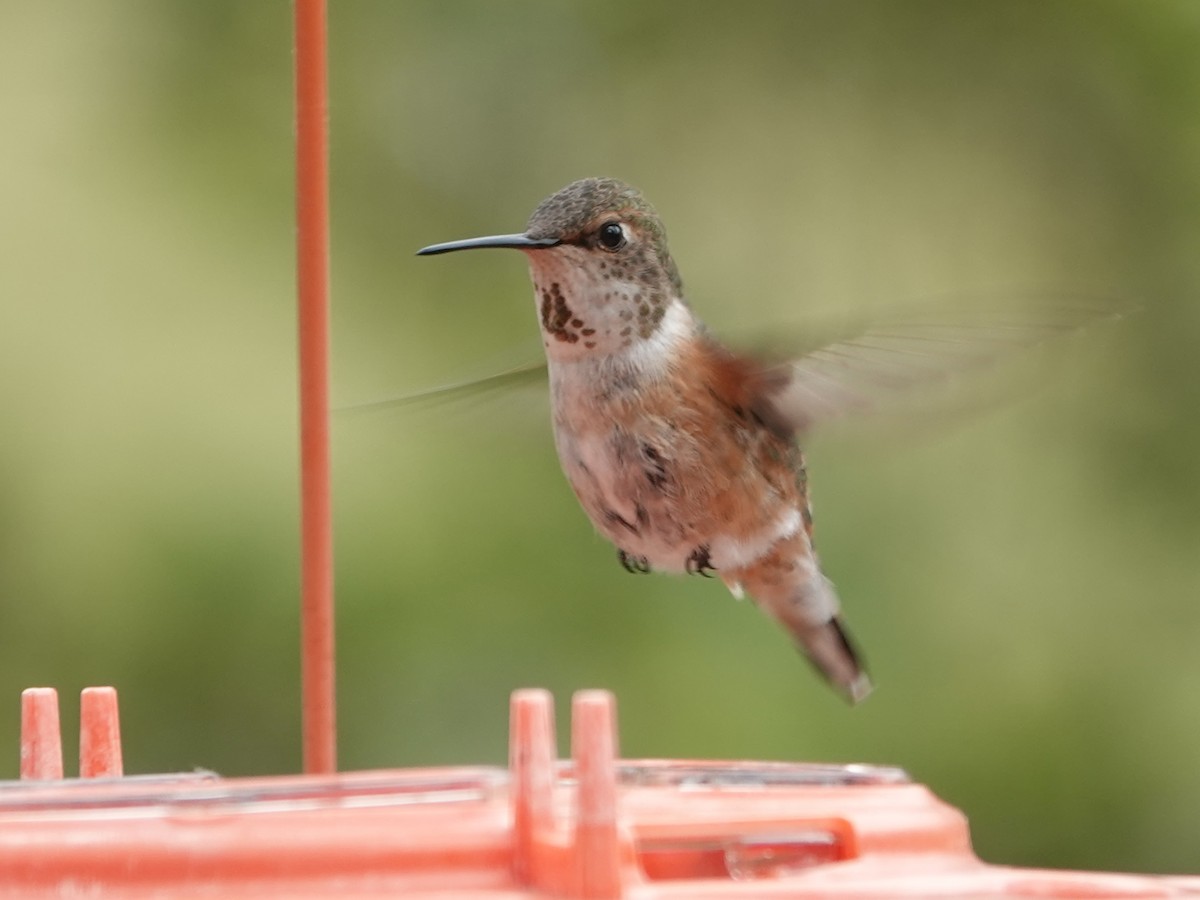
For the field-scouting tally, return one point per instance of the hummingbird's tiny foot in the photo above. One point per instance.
(635, 565)
(700, 562)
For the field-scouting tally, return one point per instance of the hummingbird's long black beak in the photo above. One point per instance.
(514, 241)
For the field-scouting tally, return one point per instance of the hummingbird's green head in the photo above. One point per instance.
(602, 274)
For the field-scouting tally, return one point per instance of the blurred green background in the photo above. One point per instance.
(1024, 581)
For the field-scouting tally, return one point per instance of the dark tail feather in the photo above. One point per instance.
(807, 607)
(829, 648)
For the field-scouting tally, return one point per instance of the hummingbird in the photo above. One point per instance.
(686, 455)
(682, 453)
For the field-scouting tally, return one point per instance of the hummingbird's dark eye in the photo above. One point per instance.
(612, 236)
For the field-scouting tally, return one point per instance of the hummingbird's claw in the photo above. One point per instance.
(634, 565)
(700, 562)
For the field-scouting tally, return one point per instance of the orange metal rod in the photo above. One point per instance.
(312, 269)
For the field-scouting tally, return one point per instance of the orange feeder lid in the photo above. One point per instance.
(592, 826)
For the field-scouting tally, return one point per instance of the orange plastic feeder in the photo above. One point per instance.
(593, 826)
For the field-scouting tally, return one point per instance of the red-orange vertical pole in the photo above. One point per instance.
(312, 270)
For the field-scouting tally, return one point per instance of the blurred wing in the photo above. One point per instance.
(867, 371)
(527, 373)
(873, 368)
